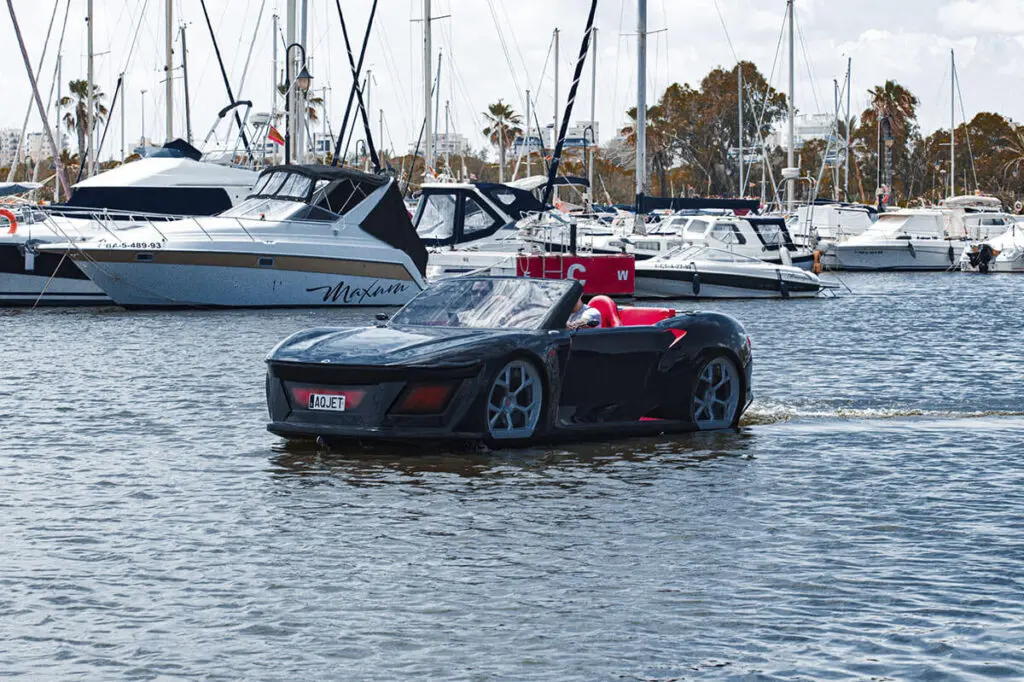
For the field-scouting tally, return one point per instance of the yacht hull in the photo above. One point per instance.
(930, 254)
(703, 284)
(219, 280)
(43, 279)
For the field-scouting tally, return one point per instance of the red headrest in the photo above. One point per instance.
(609, 311)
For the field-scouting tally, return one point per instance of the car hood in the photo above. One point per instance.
(389, 346)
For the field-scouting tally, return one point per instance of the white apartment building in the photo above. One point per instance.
(37, 145)
(9, 138)
(579, 135)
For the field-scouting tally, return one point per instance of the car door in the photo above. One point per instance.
(608, 373)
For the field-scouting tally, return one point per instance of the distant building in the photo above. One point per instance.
(9, 138)
(452, 144)
(521, 145)
(806, 127)
(581, 134)
(37, 146)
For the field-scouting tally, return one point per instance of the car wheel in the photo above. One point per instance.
(717, 394)
(515, 402)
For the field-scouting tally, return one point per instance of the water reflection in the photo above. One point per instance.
(376, 464)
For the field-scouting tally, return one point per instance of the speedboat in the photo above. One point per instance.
(1004, 253)
(696, 271)
(918, 239)
(306, 236)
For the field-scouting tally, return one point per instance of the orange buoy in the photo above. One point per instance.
(11, 218)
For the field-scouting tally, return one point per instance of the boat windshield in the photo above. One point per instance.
(704, 253)
(484, 303)
(696, 229)
(436, 219)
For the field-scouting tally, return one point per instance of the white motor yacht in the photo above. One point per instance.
(697, 271)
(818, 224)
(917, 239)
(1004, 253)
(173, 182)
(306, 236)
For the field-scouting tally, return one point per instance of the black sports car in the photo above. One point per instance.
(491, 359)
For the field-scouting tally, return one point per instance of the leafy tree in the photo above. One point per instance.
(76, 119)
(503, 126)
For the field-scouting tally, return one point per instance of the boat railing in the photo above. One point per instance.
(115, 223)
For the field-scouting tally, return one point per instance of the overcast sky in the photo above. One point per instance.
(905, 40)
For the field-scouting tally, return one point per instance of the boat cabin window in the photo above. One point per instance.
(696, 229)
(436, 219)
(771, 235)
(476, 219)
(727, 233)
(283, 185)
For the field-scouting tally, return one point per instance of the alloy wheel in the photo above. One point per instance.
(515, 401)
(716, 398)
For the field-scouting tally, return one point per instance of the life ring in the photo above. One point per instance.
(1018, 206)
(11, 218)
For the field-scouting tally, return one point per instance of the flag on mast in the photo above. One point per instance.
(275, 136)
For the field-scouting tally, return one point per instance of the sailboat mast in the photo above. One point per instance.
(641, 105)
(849, 87)
(89, 88)
(791, 152)
(739, 107)
(168, 71)
(593, 116)
(184, 78)
(428, 80)
(554, 129)
(952, 125)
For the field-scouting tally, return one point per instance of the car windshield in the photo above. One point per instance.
(484, 303)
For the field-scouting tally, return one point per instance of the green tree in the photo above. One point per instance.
(503, 126)
(76, 117)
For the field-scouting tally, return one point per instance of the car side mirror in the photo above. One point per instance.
(383, 317)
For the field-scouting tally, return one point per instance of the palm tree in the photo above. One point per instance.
(502, 128)
(312, 104)
(896, 102)
(657, 136)
(1013, 145)
(76, 119)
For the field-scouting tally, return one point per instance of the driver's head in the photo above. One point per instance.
(480, 290)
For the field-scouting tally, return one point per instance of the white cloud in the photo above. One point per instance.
(963, 17)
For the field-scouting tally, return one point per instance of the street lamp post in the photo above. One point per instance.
(589, 163)
(302, 82)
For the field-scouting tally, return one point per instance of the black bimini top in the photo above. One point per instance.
(341, 190)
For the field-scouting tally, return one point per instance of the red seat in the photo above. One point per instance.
(630, 316)
(609, 311)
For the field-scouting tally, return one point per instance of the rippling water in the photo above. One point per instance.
(866, 522)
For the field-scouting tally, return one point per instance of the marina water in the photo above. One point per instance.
(866, 521)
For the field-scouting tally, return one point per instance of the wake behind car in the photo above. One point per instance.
(490, 359)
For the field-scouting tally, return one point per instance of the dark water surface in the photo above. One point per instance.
(867, 521)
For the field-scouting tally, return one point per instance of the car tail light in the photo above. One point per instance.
(353, 396)
(424, 398)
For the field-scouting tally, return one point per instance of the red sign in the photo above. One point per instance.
(611, 275)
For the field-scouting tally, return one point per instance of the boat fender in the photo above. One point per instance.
(696, 282)
(783, 287)
(910, 247)
(11, 218)
(817, 262)
(950, 253)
